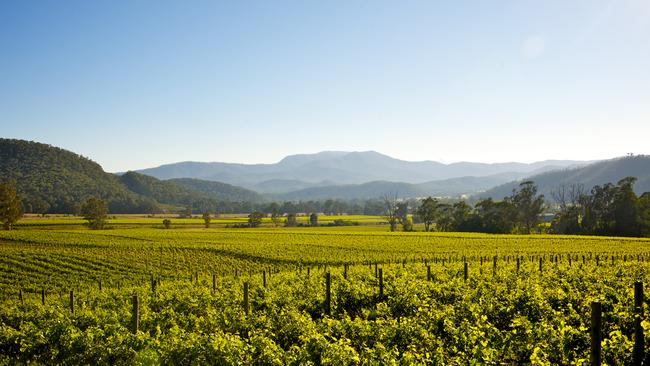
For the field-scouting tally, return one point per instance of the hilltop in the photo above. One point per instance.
(607, 171)
(51, 179)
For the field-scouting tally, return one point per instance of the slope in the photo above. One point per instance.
(607, 171)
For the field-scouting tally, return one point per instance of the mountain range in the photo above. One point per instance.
(336, 168)
(50, 179)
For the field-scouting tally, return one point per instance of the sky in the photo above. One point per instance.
(137, 84)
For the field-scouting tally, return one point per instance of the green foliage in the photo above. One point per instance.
(427, 212)
(217, 190)
(50, 177)
(95, 212)
(291, 220)
(313, 219)
(528, 206)
(255, 219)
(10, 206)
(509, 316)
(167, 223)
(608, 210)
(206, 219)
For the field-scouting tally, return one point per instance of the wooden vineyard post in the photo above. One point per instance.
(214, 283)
(569, 260)
(428, 273)
(308, 270)
(328, 294)
(345, 271)
(465, 271)
(494, 266)
(72, 301)
(20, 297)
(597, 261)
(43, 297)
(153, 284)
(381, 284)
(540, 264)
(264, 278)
(135, 315)
(518, 263)
(246, 306)
(638, 353)
(596, 335)
(100, 285)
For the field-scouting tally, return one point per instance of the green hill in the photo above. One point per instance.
(607, 171)
(217, 190)
(54, 180)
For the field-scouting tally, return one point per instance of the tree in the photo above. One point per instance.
(494, 217)
(460, 213)
(599, 210)
(206, 219)
(427, 212)
(402, 213)
(313, 219)
(445, 218)
(95, 212)
(390, 210)
(568, 219)
(11, 209)
(528, 206)
(275, 214)
(626, 209)
(255, 219)
(39, 206)
(291, 220)
(167, 223)
(644, 213)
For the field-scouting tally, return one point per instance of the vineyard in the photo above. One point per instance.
(321, 296)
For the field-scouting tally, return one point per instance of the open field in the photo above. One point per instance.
(395, 298)
(220, 221)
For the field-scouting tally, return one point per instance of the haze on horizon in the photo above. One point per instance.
(139, 84)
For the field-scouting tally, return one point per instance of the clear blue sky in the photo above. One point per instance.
(134, 84)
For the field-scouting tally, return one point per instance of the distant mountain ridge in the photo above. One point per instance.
(452, 187)
(342, 168)
(50, 179)
(599, 173)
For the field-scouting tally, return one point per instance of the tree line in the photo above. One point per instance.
(609, 209)
(518, 213)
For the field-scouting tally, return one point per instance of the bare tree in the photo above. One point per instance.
(568, 196)
(390, 210)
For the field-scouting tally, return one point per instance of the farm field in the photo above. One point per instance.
(67, 296)
(55, 221)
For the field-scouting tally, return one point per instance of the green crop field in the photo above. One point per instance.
(68, 293)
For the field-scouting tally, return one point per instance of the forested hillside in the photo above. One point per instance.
(607, 171)
(217, 190)
(53, 180)
(50, 179)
